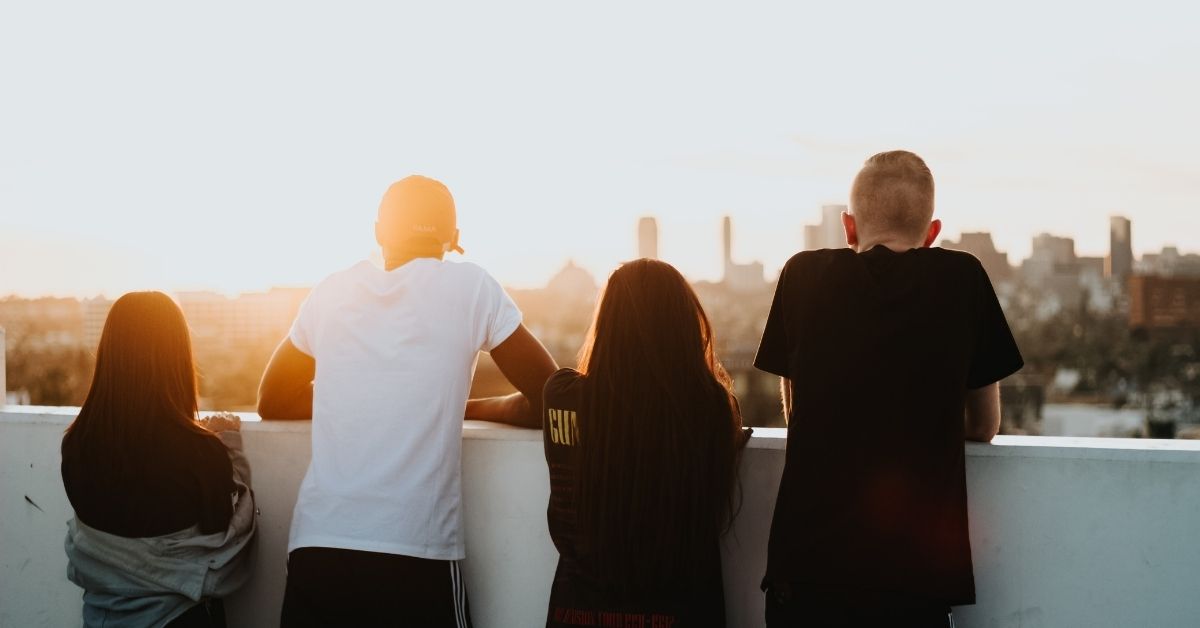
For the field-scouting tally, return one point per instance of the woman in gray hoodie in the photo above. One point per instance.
(164, 514)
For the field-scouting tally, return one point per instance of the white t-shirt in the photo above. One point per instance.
(395, 353)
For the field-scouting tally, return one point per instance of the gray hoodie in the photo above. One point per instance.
(149, 581)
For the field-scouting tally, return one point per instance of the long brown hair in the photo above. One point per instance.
(658, 461)
(144, 384)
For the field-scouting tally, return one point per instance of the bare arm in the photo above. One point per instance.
(785, 395)
(286, 390)
(983, 413)
(527, 365)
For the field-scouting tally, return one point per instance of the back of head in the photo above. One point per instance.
(893, 194)
(417, 215)
(145, 380)
(648, 317)
(659, 433)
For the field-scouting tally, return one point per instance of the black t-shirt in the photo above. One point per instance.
(185, 479)
(881, 348)
(575, 599)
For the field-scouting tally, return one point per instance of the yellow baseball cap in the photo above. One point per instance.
(418, 211)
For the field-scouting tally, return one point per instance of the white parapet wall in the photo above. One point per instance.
(3, 371)
(1065, 532)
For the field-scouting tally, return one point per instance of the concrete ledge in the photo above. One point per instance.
(1065, 531)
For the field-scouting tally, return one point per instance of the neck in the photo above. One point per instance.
(896, 243)
(395, 259)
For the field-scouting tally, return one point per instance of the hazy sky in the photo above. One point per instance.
(234, 147)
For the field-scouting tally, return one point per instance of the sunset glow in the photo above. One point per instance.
(248, 146)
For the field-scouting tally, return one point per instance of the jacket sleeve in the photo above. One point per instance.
(234, 560)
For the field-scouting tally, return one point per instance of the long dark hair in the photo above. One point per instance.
(658, 462)
(144, 384)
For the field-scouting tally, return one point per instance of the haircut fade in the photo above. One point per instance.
(893, 193)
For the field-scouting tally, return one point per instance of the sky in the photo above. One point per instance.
(238, 146)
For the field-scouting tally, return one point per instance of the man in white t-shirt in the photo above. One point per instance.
(381, 361)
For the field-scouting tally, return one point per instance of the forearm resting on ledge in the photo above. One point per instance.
(286, 390)
(527, 365)
(513, 409)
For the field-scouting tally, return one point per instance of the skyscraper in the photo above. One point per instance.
(648, 237)
(1050, 255)
(727, 243)
(738, 277)
(980, 244)
(1120, 248)
(829, 234)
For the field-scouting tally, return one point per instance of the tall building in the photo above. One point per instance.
(727, 243)
(1164, 303)
(981, 246)
(1169, 263)
(95, 313)
(648, 237)
(42, 323)
(738, 277)
(251, 316)
(1120, 248)
(1050, 255)
(1056, 272)
(829, 233)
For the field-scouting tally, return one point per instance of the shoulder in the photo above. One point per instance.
(332, 282)
(470, 273)
(959, 264)
(562, 402)
(470, 269)
(562, 389)
(349, 273)
(563, 380)
(821, 257)
(449, 268)
(952, 256)
(461, 276)
(808, 262)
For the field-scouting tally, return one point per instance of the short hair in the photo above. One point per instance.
(893, 193)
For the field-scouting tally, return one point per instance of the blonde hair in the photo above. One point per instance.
(893, 193)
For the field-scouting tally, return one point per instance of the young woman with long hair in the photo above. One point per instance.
(643, 444)
(163, 509)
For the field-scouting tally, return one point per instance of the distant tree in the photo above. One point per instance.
(229, 374)
(53, 376)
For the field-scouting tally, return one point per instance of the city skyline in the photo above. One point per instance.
(246, 165)
(647, 236)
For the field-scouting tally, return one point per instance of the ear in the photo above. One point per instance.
(453, 245)
(935, 228)
(378, 236)
(851, 229)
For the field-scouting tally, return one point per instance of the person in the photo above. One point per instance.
(381, 361)
(890, 354)
(164, 515)
(642, 445)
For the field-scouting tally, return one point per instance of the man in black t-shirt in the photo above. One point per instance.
(890, 354)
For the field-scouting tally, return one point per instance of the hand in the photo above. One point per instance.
(222, 422)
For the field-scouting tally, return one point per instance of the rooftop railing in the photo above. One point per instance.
(1065, 532)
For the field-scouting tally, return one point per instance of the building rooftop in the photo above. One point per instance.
(1065, 531)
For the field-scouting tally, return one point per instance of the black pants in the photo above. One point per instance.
(785, 611)
(338, 587)
(206, 614)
